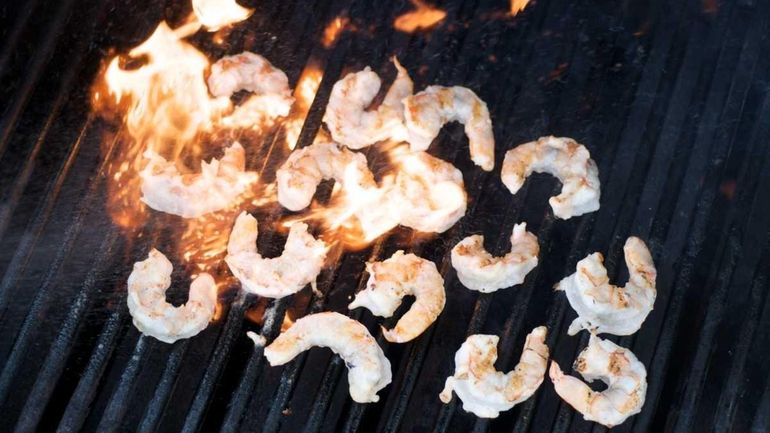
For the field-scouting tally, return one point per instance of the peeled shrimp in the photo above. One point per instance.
(429, 193)
(478, 270)
(428, 111)
(348, 119)
(216, 187)
(399, 276)
(271, 96)
(155, 317)
(368, 368)
(215, 14)
(305, 168)
(301, 261)
(604, 308)
(564, 158)
(616, 366)
(485, 391)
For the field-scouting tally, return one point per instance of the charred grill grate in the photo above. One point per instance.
(671, 97)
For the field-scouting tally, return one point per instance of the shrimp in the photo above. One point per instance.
(428, 111)
(305, 168)
(368, 368)
(604, 308)
(399, 276)
(478, 270)
(564, 158)
(155, 317)
(215, 14)
(616, 366)
(429, 193)
(301, 261)
(271, 95)
(216, 187)
(485, 391)
(347, 118)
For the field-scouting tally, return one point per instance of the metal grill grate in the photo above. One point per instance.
(671, 97)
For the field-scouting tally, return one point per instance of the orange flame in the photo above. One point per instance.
(305, 92)
(422, 18)
(333, 30)
(215, 14)
(518, 6)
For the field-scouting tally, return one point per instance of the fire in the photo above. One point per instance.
(215, 14)
(518, 6)
(422, 18)
(333, 30)
(305, 92)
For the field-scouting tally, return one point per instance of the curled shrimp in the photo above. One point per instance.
(479, 270)
(485, 391)
(271, 95)
(618, 367)
(399, 276)
(299, 264)
(305, 168)
(564, 158)
(349, 121)
(429, 193)
(216, 187)
(426, 113)
(368, 368)
(605, 308)
(155, 317)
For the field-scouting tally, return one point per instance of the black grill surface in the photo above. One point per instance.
(670, 96)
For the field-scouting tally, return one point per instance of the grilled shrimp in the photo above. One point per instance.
(305, 168)
(215, 14)
(399, 276)
(618, 367)
(216, 187)
(478, 270)
(271, 95)
(485, 391)
(155, 317)
(428, 111)
(348, 119)
(368, 368)
(604, 308)
(564, 158)
(429, 193)
(301, 261)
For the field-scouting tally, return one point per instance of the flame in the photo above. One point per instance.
(215, 14)
(422, 18)
(306, 89)
(518, 6)
(333, 30)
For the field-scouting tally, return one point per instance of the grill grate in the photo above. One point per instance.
(670, 96)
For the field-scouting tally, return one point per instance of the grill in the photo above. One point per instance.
(670, 96)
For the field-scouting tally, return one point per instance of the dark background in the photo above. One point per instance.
(671, 97)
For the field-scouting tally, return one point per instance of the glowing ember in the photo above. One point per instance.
(215, 14)
(333, 30)
(305, 92)
(422, 18)
(518, 6)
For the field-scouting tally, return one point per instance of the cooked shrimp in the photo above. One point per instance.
(251, 72)
(216, 187)
(429, 193)
(616, 366)
(301, 261)
(348, 119)
(428, 111)
(564, 158)
(155, 317)
(399, 276)
(485, 391)
(604, 308)
(478, 270)
(368, 368)
(215, 14)
(305, 168)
